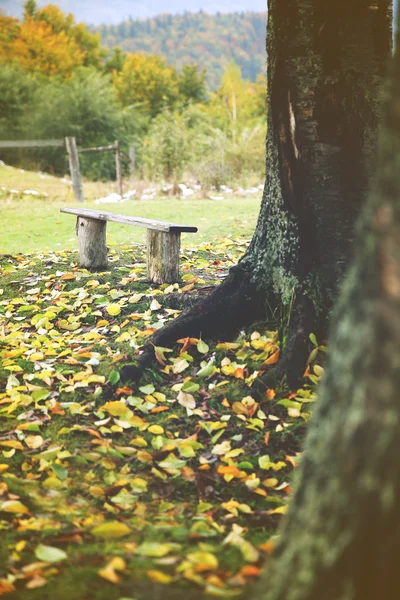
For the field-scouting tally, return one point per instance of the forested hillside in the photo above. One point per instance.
(210, 41)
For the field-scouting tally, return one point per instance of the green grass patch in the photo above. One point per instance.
(34, 223)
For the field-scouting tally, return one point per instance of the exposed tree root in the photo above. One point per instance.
(185, 299)
(235, 304)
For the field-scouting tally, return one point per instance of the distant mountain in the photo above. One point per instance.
(114, 11)
(211, 41)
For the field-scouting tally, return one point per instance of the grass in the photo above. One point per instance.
(34, 223)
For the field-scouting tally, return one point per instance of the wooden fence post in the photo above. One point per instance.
(74, 168)
(118, 167)
(132, 161)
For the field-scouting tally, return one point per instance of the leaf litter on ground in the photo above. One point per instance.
(177, 483)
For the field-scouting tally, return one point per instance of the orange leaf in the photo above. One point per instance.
(273, 359)
(267, 547)
(250, 571)
(293, 460)
(57, 409)
(239, 373)
(124, 390)
(229, 470)
(270, 393)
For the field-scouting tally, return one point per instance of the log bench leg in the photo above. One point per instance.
(163, 256)
(92, 243)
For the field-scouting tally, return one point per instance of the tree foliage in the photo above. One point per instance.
(146, 81)
(48, 41)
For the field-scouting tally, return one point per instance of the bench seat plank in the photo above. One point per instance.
(139, 221)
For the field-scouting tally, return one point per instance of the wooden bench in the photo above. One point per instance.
(163, 242)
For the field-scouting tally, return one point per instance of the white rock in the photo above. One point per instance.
(129, 194)
(111, 199)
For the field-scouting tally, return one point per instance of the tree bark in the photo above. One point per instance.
(341, 540)
(163, 248)
(325, 65)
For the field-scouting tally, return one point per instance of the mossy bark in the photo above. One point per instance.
(325, 66)
(341, 539)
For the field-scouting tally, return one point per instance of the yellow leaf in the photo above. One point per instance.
(281, 510)
(12, 444)
(111, 529)
(203, 561)
(113, 309)
(33, 441)
(156, 429)
(96, 491)
(158, 576)
(109, 571)
(14, 506)
(118, 409)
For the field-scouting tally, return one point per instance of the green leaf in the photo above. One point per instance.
(312, 356)
(60, 471)
(153, 549)
(207, 370)
(49, 554)
(190, 386)
(313, 339)
(172, 462)
(114, 377)
(39, 395)
(202, 347)
(147, 389)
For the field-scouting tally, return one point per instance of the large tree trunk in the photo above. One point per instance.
(341, 540)
(325, 65)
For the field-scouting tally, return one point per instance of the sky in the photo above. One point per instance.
(114, 11)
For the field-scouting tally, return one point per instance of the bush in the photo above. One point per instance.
(85, 107)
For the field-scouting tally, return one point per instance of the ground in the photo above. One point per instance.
(173, 487)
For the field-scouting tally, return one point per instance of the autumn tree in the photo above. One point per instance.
(48, 42)
(148, 81)
(325, 69)
(342, 535)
